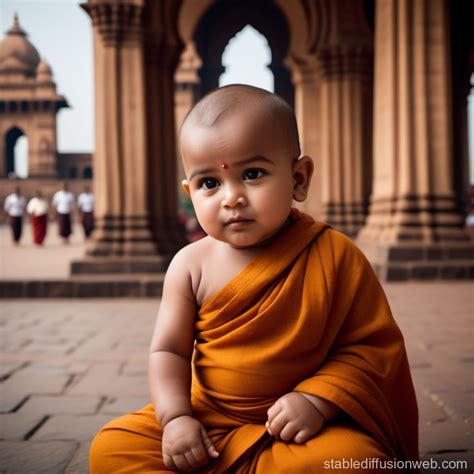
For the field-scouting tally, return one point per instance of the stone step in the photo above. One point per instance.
(120, 265)
(86, 286)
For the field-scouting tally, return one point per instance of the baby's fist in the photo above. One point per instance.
(294, 418)
(186, 445)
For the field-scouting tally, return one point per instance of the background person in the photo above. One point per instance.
(85, 203)
(14, 207)
(63, 201)
(38, 210)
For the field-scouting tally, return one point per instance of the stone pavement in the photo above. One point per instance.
(30, 271)
(69, 366)
(29, 261)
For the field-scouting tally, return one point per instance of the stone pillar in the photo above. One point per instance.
(346, 122)
(308, 111)
(333, 89)
(120, 181)
(162, 52)
(187, 81)
(42, 148)
(414, 229)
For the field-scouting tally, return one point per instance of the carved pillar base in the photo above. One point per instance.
(416, 238)
(346, 217)
(409, 261)
(121, 236)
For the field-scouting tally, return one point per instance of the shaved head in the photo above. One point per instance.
(236, 101)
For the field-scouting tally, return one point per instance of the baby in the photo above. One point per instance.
(274, 348)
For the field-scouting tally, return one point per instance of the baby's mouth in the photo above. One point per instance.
(237, 221)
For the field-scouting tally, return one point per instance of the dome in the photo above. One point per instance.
(17, 54)
(44, 69)
(44, 74)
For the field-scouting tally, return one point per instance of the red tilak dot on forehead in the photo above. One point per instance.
(224, 166)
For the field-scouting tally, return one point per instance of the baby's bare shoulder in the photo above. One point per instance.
(189, 261)
(191, 255)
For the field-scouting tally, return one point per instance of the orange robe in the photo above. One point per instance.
(307, 314)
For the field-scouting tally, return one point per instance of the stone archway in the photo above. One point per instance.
(11, 137)
(223, 20)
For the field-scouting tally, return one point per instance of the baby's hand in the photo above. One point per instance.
(294, 418)
(186, 445)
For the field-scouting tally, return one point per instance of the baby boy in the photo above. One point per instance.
(274, 348)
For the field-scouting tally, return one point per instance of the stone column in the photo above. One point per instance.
(42, 152)
(332, 74)
(414, 229)
(120, 166)
(162, 52)
(307, 110)
(187, 81)
(346, 122)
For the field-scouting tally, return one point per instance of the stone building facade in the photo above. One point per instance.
(29, 104)
(380, 92)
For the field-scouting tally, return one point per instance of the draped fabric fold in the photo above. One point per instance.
(308, 314)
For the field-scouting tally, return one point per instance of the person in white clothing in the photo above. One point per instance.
(14, 207)
(85, 203)
(38, 210)
(63, 202)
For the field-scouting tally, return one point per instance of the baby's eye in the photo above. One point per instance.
(253, 173)
(208, 183)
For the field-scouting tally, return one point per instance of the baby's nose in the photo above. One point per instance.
(234, 196)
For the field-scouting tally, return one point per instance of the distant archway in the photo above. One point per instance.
(11, 163)
(256, 71)
(72, 173)
(223, 20)
(87, 173)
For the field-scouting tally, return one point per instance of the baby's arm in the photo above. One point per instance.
(298, 416)
(185, 444)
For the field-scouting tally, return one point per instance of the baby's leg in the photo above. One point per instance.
(337, 441)
(129, 444)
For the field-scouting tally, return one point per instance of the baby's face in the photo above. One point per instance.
(239, 177)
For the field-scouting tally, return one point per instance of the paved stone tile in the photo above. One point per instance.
(56, 366)
(79, 464)
(22, 457)
(16, 426)
(104, 379)
(40, 384)
(436, 380)
(110, 387)
(123, 405)
(61, 405)
(70, 427)
(7, 368)
(10, 400)
(459, 405)
(447, 436)
(429, 411)
(135, 369)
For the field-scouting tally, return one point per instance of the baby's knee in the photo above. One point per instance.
(104, 446)
(351, 444)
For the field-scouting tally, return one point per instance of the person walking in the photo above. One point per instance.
(14, 207)
(63, 200)
(38, 210)
(85, 203)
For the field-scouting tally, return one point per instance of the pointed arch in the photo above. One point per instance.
(10, 140)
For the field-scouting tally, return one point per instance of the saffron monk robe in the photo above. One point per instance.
(274, 350)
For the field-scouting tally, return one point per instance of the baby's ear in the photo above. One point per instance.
(302, 172)
(185, 186)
